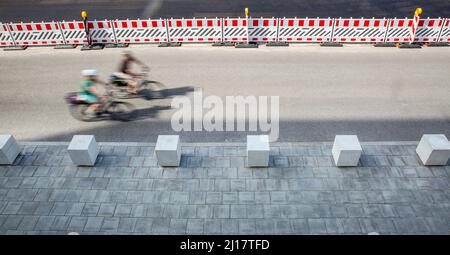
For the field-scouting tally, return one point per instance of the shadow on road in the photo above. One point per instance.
(148, 113)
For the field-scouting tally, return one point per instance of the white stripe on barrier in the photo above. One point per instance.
(195, 30)
(445, 32)
(140, 31)
(235, 30)
(428, 30)
(5, 37)
(360, 30)
(262, 29)
(73, 32)
(44, 33)
(399, 30)
(305, 30)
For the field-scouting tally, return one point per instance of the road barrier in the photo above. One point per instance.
(140, 31)
(214, 30)
(263, 30)
(399, 30)
(445, 33)
(360, 30)
(305, 30)
(5, 36)
(195, 30)
(44, 33)
(428, 29)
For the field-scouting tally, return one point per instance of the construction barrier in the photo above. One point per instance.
(73, 32)
(101, 32)
(235, 30)
(263, 30)
(428, 30)
(305, 30)
(45, 33)
(445, 32)
(360, 30)
(195, 30)
(399, 30)
(140, 31)
(5, 37)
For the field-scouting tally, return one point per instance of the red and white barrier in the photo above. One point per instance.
(305, 30)
(101, 31)
(263, 30)
(399, 30)
(45, 33)
(140, 31)
(428, 30)
(445, 32)
(360, 30)
(235, 30)
(5, 37)
(73, 32)
(195, 30)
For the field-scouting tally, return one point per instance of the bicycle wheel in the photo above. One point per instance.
(78, 111)
(122, 111)
(152, 90)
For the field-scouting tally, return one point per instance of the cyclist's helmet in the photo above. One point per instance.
(89, 73)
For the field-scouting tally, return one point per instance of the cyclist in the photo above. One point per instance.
(89, 93)
(126, 73)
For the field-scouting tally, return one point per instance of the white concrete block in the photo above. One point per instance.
(346, 150)
(434, 150)
(168, 150)
(258, 149)
(9, 149)
(83, 150)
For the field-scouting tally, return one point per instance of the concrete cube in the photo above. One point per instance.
(168, 150)
(434, 150)
(83, 150)
(9, 149)
(346, 150)
(258, 149)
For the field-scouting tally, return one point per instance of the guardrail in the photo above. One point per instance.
(226, 30)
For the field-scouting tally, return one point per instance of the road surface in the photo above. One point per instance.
(47, 10)
(380, 94)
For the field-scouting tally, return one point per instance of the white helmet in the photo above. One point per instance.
(89, 72)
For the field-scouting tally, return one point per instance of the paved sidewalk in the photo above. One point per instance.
(213, 193)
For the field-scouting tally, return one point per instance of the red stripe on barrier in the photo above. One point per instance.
(356, 23)
(144, 23)
(19, 27)
(301, 23)
(255, 23)
(147, 40)
(191, 39)
(80, 25)
(401, 23)
(124, 24)
(288, 39)
(363, 39)
(366, 23)
(421, 22)
(178, 23)
(199, 23)
(100, 25)
(154, 24)
(200, 39)
(90, 25)
(29, 27)
(266, 23)
(346, 23)
(321, 23)
(234, 23)
(210, 39)
(376, 23)
(134, 24)
(157, 40)
(410, 23)
(189, 23)
(311, 23)
(209, 23)
(48, 26)
(127, 40)
(137, 40)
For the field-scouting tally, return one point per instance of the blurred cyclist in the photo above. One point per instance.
(89, 93)
(126, 73)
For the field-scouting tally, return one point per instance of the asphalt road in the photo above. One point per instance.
(380, 94)
(47, 10)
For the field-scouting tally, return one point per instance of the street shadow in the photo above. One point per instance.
(158, 91)
(149, 113)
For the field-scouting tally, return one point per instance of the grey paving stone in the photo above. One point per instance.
(379, 225)
(262, 197)
(60, 223)
(171, 211)
(123, 210)
(237, 185)
(179, 197)
(283, 226)
(300, 226)
(110, 225)
(43, 208)
(75, 209)
(317, 226)
(138, 210)
(106, 209)
(278, 197)
(255, 211)
(44, 223)
(143, 225)
(411, 225)
(438, 225)
(194, 226)
(90, 209)
(77, 224)
(355, 210)
(247, 226)
(188, 211)
(351, 226)
(27, 223)
(127, 225)
(221, 185)
(178, 226)
(60, 208)
(155, 210)
(28, 208)
(246, 197)
(161, 226)
(264, 226)
(238, 211)
(272, 211)
(12, 208)
(197, 197)
(221, 211)
(213, 197)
